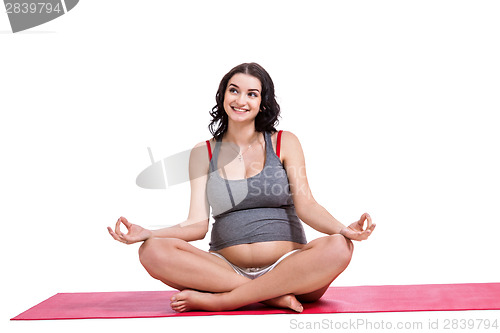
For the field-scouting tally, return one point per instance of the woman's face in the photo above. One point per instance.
(242, 98)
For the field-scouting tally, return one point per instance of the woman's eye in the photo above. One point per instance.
(253, 94)
(232, 90)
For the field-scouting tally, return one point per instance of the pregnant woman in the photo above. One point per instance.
(253, 178)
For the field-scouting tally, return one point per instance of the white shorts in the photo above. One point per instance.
(251, 272)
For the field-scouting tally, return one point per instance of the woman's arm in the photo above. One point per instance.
(320, 219)
(187, 230)
(308, 210)
(195, 227)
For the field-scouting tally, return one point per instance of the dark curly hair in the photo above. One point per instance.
(265, 120)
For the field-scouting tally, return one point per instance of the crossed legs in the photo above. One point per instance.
(182, 266)
(207, 282)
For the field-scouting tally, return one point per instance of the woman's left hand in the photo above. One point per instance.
(355, 231)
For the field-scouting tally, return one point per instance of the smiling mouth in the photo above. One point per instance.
(238, 109)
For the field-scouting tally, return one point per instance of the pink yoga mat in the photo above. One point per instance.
(393, 298)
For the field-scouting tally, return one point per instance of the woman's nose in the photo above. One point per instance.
(241, 100)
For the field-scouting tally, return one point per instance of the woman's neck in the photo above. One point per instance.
(242, 136)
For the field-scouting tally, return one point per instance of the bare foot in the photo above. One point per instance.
(286, 301)
(188, 300)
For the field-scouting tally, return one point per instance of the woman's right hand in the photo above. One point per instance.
(135, 232)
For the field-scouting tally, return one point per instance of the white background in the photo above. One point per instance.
(395, 103)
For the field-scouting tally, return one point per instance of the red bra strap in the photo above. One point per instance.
(278, 144)
(209, 150)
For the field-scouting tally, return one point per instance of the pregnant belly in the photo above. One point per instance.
(258, 254)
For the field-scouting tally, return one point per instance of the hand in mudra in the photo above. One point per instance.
(355, 231)
(135, 232)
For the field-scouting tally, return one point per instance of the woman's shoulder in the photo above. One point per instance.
(200, 152)
(286, 138)
(289, 143)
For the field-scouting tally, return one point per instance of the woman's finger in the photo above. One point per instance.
(117, 228)
(369, 220)
(368, 232)
(351, 234)
(114, 235)
(361, 221)
(126, 239)
(125, 222)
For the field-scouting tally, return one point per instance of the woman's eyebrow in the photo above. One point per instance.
(232, 84)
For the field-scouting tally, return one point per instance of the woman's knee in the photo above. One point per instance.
(152, 251)
(339, 249)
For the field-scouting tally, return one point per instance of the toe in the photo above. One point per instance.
(177, 304)
(179, 308)
(295, 305)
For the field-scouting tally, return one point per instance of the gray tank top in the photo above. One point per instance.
(254, 209)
